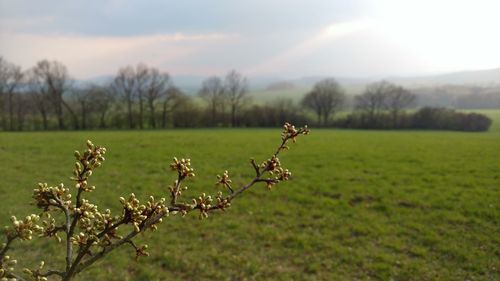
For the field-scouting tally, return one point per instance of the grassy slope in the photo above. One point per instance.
(362, 204)
(266, 96)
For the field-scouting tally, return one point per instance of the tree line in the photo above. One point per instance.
(45, 97)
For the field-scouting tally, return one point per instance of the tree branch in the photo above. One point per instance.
(4, 250)
(103, 227)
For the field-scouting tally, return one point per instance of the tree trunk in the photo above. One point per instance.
(152, 119)
(60, 120)
(102, 123)
(130, 119)
(223, 114)
(214, 113)
(2, 114)
(20, 117)
(76, 124)
(395, 114)
(141, 111)
(233, 116)
(11, 112)
(164, 116)
(83, 115)
(325, 119)
(44, 119)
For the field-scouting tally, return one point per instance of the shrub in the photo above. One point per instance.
(434, 118)
(441, 118)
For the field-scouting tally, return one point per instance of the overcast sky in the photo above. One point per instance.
(283, 38)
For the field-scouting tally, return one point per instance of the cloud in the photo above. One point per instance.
(88, 56)
(277, 37)
(12, 24)
(308, 46)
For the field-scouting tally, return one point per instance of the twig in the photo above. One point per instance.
(4, 250)
(177, 187)
(141, 216)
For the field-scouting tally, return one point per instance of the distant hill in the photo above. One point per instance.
(478, 78)
(280, 86)
(486, 77)
(191, 83)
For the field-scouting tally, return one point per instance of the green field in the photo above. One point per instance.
(362, 205)
(266, 96)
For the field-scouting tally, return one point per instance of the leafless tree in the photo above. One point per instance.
(124, 86)
(325, 99)
(39, 96)
(51, 79)
(71, 108)
(212, 91)
(236, 93)
(383, 96)
(283, 109)
(157, 85)
(373, 101)
(82, 97)
(10, 79)
(22, 109)
(94, 100)
(397, 100)
(174, 98)
(142, 76)
(102, 99)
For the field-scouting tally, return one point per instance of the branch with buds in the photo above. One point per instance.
(89, 234)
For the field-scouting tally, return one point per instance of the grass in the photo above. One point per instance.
(269, 96)
(363, 205)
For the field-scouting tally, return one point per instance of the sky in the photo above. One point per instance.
(286, 38)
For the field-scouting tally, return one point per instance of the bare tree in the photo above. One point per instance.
(39, 96)
(283, 109)
(173, 99)
(72, 112)
(373, 101)
(312, 101)
(10, 79)
(157, 86)
(94, 100)
(325, 99)
(124, 86)
(383, 96)
(51, 78)
(236, 90)
(22, 108)
(398, 99)
(212, 91)
(82, 97)
(101, 98)
(142, 78)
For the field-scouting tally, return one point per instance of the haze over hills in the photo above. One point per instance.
(191, 83)
(485, 77)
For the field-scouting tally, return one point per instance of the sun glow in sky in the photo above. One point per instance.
(356, 38)
(445, 35)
